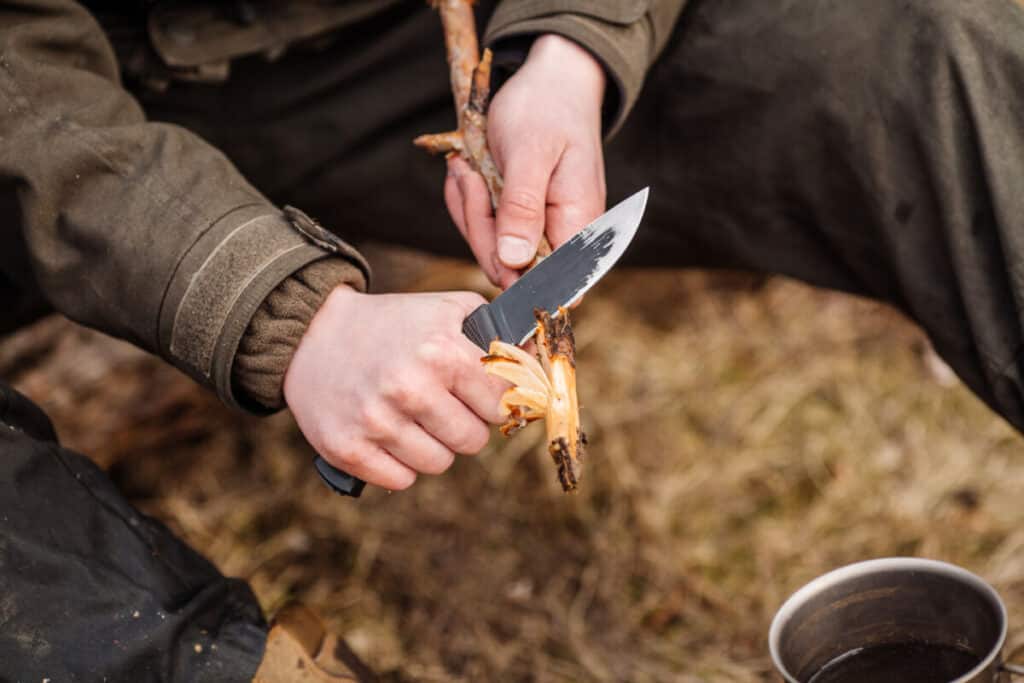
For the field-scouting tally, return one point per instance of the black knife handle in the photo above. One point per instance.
(481, 327)
(340, 482)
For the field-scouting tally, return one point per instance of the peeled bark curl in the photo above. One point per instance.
(544, 387)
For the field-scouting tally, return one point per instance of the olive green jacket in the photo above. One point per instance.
(146, 232)
(626, 36)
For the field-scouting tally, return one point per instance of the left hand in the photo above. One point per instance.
(544, 131)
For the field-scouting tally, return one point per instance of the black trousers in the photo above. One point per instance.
(93, 590)
(874, 147)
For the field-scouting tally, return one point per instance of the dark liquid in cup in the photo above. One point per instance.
(899, 663)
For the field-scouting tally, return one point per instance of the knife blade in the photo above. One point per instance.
(560, 279)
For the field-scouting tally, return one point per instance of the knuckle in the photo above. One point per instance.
(333, 444)
(574, 216)
(403, 392)
(346, 456)
(401, 482)
(523, 204)
(438, 464)
(375, 422)
(356, 460)
(438, 355)
(475, 439)
(464, 303)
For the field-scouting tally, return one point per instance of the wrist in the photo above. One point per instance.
(277, 327)
(336, 295)
(336, 306)
(569, 57)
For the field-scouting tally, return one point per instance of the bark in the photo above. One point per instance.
(470, 75)
(547, 390)
(544, 387)
(471, 88)
(556, 348)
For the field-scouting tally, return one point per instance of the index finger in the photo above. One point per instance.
(474, 387)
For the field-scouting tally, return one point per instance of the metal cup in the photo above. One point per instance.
(888, 603)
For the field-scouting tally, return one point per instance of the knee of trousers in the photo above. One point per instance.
(852, 67)
(883, 50)
(921, 100)
(877, 146)
(19, 413)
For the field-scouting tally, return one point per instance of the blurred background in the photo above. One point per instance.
(746, 435)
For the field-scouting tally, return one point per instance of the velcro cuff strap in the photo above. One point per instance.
(219, 285)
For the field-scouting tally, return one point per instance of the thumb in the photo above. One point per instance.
(521, 209)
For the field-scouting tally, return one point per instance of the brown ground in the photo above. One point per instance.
(746, 436)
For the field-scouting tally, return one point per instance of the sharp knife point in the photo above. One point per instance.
(602, 242)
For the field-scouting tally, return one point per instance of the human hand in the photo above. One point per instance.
(544, 131)
(386, 386)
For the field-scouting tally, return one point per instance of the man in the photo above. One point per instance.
(870, 147)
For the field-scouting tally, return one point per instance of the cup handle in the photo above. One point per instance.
(1013, 669)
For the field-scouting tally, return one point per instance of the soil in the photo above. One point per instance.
(746, 435)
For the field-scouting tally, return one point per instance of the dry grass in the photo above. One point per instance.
(745, 437)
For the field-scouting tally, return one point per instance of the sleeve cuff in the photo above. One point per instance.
(225, 277)
(621, 40)
(277, 327)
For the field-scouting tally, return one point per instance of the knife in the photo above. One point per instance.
(560, 279)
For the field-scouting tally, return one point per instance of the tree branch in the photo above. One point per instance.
(554, 395)
(470, 78)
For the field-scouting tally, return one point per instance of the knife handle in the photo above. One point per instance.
(481, 327)
(339, 482)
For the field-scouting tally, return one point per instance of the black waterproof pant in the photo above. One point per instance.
(875, 147)
(93, 590)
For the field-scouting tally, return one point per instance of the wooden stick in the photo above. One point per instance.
(462, 45)
(470, 76)
(544, 387)
(557, 351)
(471, 84)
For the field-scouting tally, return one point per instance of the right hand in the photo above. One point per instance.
(386, 386)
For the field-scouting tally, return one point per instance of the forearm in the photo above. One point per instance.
(139, 229)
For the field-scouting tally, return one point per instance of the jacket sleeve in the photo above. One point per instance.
(136, 228)
(626, 36)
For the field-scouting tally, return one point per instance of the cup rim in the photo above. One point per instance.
(801, 596)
